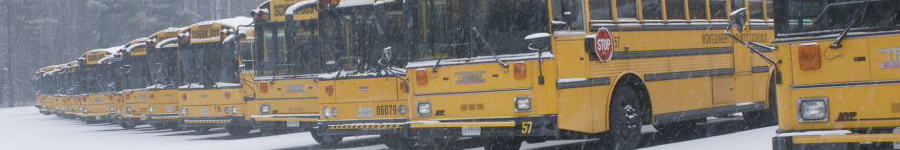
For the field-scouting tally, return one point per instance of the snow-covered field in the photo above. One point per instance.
(23, 128)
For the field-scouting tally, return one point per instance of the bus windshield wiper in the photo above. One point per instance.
(493, 51)
(856, 17)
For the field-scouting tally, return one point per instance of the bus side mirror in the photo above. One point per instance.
(739, 19)
(538, 41)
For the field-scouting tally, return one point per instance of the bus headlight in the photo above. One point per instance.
(234, 110)
(112, 109)
(265, 109)
(523, 104)
(423, 109)
(813, 109)
(402, 109)
(333, 112)
(184, 111)
(170, 109)
(326, 112)
(151, 109)
(128, 110)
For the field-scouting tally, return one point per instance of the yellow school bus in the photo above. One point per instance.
(536, 70)
(135, 79)
(838, 64)
(95, 76)
(162, 59)
(210, 88)
(361, 44)
(68, 90)
(283, 95)
(42, 85)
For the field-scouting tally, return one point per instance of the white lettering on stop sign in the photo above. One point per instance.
(603, 44)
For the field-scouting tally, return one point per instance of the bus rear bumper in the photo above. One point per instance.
(532, 126)
(835, 142)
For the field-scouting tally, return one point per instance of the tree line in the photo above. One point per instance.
(38, 33)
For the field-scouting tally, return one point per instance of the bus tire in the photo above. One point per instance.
(397, 142)
(326, 140)
(501, 143)
(625, 120)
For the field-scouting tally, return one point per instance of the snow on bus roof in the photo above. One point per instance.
(167, 43)
(233, 22)
(134, 46)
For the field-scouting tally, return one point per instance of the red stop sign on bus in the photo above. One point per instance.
(603, 44)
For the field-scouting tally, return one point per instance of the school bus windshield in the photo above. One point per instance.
(470, 28)
(207, 64)
(358, 37)
(815, 17)
(163, 66)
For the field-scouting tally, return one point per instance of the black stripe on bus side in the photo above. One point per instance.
(826, 85)
(586, 83)
(760, 69)
(671, 53)
(671, 27)
(688, 74)
(589, 46)
(279, 99)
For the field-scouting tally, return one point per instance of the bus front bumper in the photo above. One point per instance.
(93, 116)
(532, 126)
(284, 121)
(849, 141)
(162, 118)
(212, 122)
(363, 127)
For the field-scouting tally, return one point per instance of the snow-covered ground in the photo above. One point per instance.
(23, 128)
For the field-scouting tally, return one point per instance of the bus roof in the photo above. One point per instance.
(231, 22)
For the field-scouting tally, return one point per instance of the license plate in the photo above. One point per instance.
(896, 144)
(364, 112)
(471, 131)
(293, 124)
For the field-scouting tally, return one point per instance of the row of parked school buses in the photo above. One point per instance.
(429, 72)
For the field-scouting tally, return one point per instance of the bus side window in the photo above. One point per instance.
(697, 9)
(756, 9)
(567, 15)
(737, 4)
(626, 9)
(718, 9)
(675, 9)
(601, 10)
(652, 9)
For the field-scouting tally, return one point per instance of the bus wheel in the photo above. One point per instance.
(501, 143)
(397, 142)
(326, 140)
(238, 131)
(625, 120)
